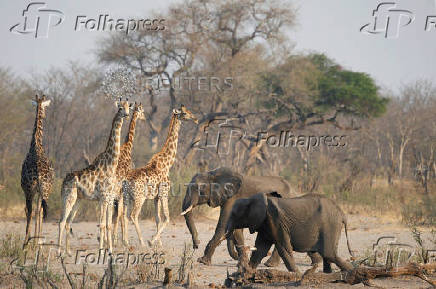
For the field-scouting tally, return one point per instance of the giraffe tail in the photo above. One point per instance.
(44, 209)
(28, 207)
(115, 214)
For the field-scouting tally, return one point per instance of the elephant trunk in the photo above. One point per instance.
(192, 229)
(231, 247)
(188, 205)
(229, 229)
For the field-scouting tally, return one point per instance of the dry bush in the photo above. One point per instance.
(186, 265)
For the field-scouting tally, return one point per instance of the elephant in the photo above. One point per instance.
(309, 223)
(222, 187)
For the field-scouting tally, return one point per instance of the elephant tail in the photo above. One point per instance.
(344, 220)
(287, 190)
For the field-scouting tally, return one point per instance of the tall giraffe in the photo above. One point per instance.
(152, 180)
(37, 172)
(96, 182)
(125, 163)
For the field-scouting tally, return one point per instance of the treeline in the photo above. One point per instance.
(390, 137)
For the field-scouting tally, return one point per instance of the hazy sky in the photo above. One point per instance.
(329, 26)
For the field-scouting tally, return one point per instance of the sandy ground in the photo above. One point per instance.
(364, 232)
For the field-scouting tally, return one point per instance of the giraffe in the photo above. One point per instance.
(96, 182)
(152, 180)
(37, 172)
(125, 163)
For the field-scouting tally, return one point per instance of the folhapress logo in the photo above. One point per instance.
(38, 20)
(388, 20)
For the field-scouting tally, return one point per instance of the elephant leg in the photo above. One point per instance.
(330, 248)
(219, 234)
(285, 251)
(327, 267)
(236, 240)
(262, 248)
(341, 263)
(316, 259)
(274, 260)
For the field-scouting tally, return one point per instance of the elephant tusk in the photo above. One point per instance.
(186, 211)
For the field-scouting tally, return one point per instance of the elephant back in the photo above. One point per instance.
(252, 185)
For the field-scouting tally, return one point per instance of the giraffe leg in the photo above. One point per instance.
(125, 221)
(157, 202)
(68, 226)
(37, 215)
(119, 216)
(40, 224)
(29, 204)
(166, 215)
(69, 199)
(137, 205)
(103, 210)
(110, 209)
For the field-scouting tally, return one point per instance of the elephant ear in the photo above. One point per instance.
(257, 211)
(224, 184)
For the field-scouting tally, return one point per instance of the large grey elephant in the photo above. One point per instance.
(222, 187)
(310, 223)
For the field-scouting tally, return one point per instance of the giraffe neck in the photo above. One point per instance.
(112, 150)
(128, 144)
(36, 144)
(169, 149)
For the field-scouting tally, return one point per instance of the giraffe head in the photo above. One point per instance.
(123, 107)
(41, 103)
(184, 114)
(139, 110)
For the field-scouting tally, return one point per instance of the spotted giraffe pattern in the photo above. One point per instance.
(125, 163)
(98, 182)
(152, 180)
(37, 172)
